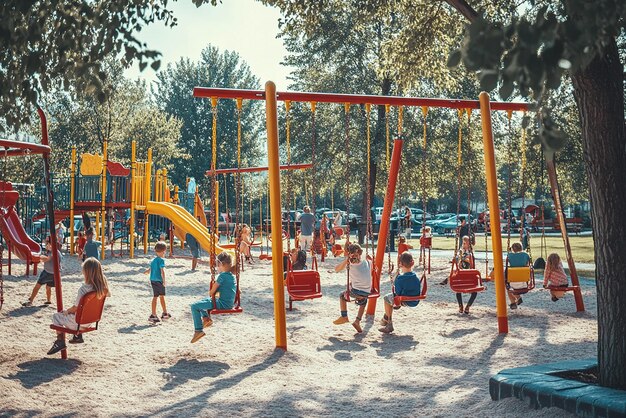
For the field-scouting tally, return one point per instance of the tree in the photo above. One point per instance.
(127, 114)
(48, 45)
(173, 92)
(578, 39)
(532, 46)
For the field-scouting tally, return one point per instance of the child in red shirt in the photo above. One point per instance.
(402, 247)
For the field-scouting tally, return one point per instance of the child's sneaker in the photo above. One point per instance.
(554, 299)
(513, 306)
(27, 304)
(197, 335)
(77, 339)
(206, 322)
(357, 326)
(154, 319)
(384, 322)
(165, 315)
(341, 320)
(388, 329)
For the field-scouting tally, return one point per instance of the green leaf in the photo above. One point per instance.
(488, 80)
(506, 89)
(454, 59)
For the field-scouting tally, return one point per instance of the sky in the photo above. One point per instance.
(244, 26)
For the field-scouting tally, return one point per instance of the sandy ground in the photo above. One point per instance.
(436, 363)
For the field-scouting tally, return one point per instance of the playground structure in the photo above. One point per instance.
(124, 201)
(486, 107)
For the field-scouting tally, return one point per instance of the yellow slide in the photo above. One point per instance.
(199, 209)
(185, 222)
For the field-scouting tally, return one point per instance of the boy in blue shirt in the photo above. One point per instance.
(91, 248)
(406, 284)
(157, 280)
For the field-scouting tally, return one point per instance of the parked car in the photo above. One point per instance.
(438, 218)
(449, 225)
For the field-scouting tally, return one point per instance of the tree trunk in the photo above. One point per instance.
(599, 94)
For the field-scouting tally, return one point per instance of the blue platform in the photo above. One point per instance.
(537, 386)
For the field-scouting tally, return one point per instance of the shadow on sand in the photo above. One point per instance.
(37, 372)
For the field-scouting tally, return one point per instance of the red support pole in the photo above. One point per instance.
(383, 231)
(297, 96)
(50, 209)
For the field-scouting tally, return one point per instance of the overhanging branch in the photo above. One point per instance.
(464, 8)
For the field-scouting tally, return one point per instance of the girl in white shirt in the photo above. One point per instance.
(360, 283)
(94, 282)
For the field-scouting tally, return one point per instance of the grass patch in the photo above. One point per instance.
(582, 247)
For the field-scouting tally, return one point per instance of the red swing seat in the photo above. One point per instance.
(89, 311)
(426, 242)
(234, 310)
(303, 284)
(399, 300)
(465, 280)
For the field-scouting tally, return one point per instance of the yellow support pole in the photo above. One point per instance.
(104, 194)
(146, 193)
(494, 207)
(133, 197)
(276, 218)
(72, 198)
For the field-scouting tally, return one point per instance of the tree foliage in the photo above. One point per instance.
(48, 45)
(173, 92)
(127, 114)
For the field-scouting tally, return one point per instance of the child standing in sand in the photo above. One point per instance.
(46, 277)
(554, 276)
(94, 282)
(360, 283)
(91, 248)
(157, 280)
(245, 241)
(79, 246)
(406, 284)
(226, 286)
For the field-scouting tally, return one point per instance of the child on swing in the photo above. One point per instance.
(402, 247)
(405, 284)
(335, 248)
(554, 276)
(224, 289)
(465, 260)
(360, 285)
(318, 246)
(94, 282)
(517, 258)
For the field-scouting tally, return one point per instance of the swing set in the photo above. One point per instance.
(271, 97)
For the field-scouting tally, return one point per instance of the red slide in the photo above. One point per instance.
(13, 232)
